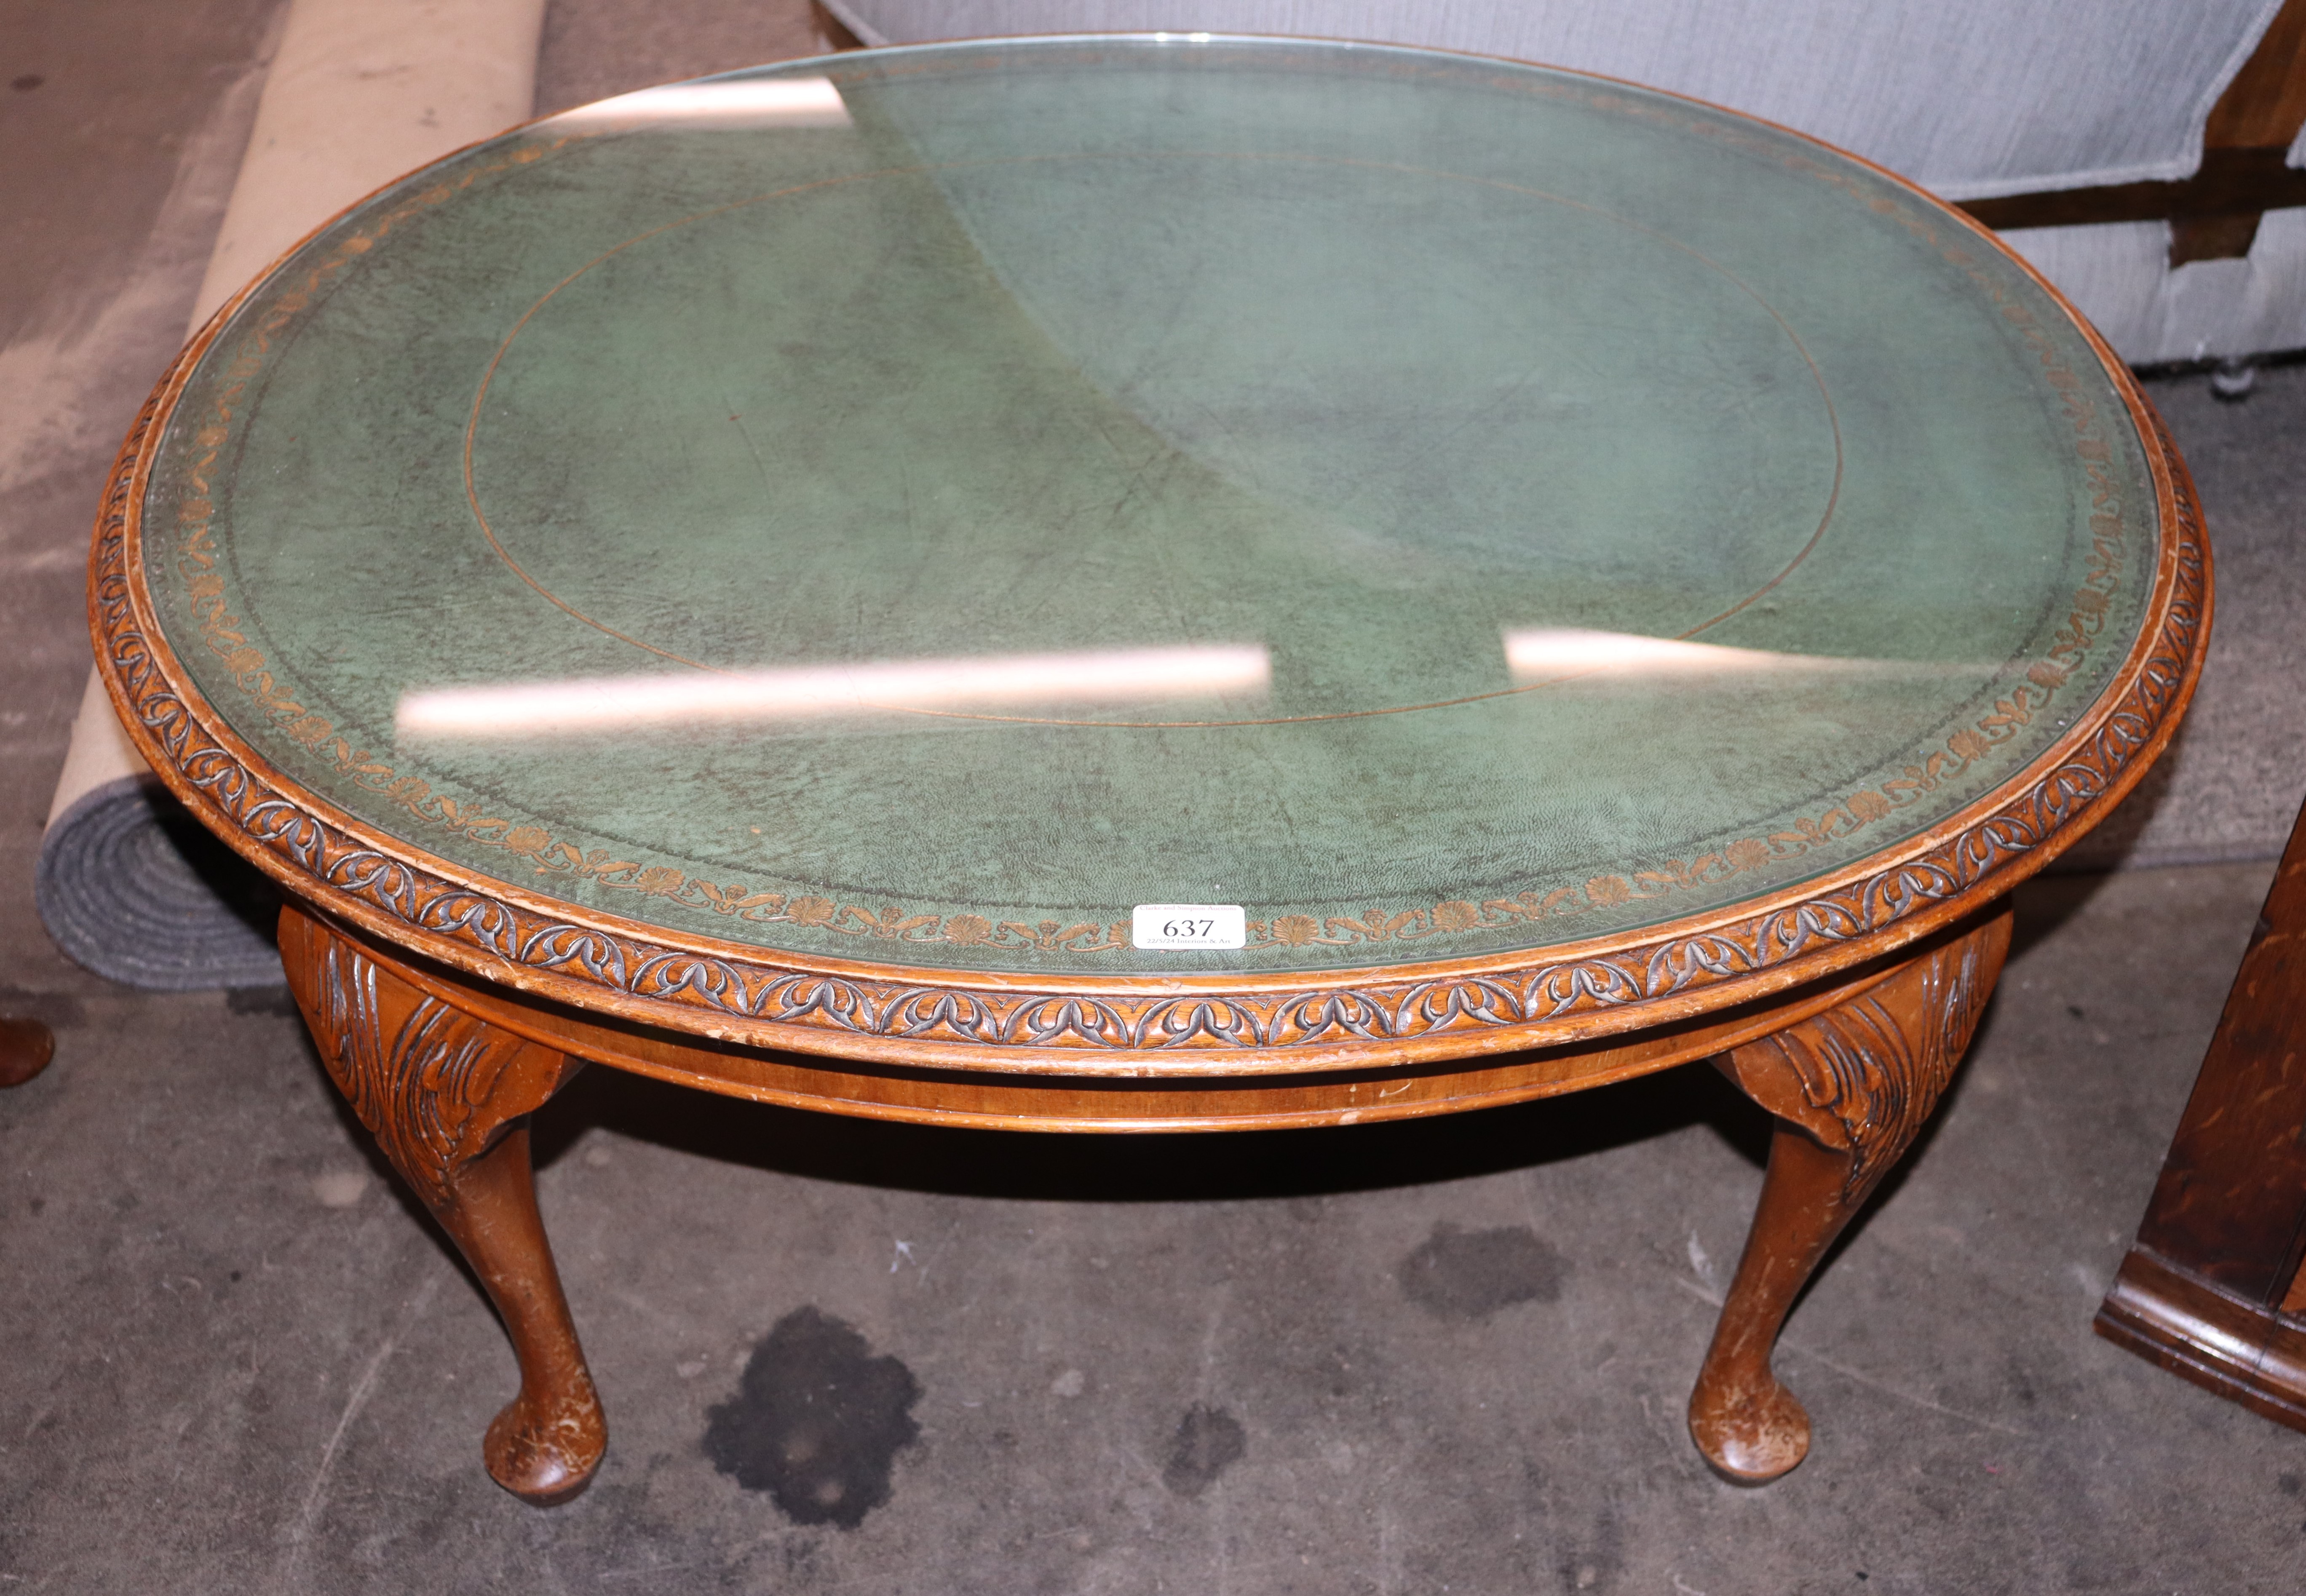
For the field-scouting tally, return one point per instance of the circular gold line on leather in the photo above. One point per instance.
(488, 376)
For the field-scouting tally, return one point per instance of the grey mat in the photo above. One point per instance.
(131, 886)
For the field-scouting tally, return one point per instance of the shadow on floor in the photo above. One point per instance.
(1147, 1168)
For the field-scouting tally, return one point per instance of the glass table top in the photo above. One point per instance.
(919, 506)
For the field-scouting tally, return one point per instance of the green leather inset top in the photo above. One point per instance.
(916, 507)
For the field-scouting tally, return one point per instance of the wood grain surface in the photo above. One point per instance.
(2212, 1288)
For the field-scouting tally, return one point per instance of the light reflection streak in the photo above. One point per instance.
(1542, 653)
(624, 702)
(768, 102)
(1559, 654)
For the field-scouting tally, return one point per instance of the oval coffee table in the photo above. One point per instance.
(1147, 583)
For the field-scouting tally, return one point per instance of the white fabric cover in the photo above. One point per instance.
(2118, 276)
(2049, 91)
(1970, 97)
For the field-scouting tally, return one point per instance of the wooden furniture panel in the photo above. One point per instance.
(2212, 1288)
(2214, 214)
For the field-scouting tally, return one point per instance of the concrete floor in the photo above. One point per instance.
(1441, 1356)
(1448, 1356)
(2230, 785)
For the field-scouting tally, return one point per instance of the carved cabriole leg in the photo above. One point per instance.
(446, 1097)
(1850, 1087)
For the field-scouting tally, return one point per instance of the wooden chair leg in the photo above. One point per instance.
(447, 1095)
(1850, 1088)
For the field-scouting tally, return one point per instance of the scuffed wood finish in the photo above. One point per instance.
(1850, 1085)
(2231, 1198)
(2244, 1351)
(447, 1095)
(2212, 1289)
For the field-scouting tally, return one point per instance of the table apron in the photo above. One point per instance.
(1242, 1098)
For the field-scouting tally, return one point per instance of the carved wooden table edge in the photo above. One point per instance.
(2212, 1289)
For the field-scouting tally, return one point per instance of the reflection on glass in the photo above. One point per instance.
(767, 102)
(1550, 653)
(954, 686)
